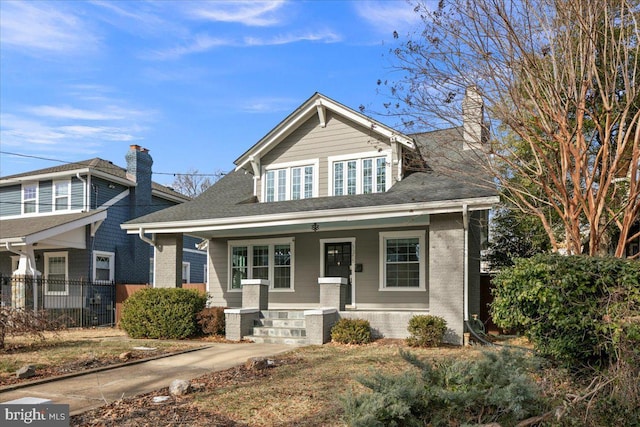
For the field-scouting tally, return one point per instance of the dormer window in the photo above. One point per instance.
(293, 182)
(359, 175)
(29, 198)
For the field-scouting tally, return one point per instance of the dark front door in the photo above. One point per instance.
(337, 263)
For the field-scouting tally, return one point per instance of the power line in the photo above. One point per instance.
(86, 163)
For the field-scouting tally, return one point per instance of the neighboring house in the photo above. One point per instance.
(328, 213)
(62, 224)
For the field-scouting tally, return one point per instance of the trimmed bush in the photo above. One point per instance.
(574, 309)
(498, 388)
(351, 331)
(211, 321)
(426, 331)
(165, 313)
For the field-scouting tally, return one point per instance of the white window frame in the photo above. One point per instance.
(56, 196)
(358, 158)
(112, 265)
(386, 235)
(35, 199)
(271, 243)
(288, 167)
(186, 267)
(48, 255)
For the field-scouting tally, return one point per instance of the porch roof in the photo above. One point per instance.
(30, 230)
(230, 205)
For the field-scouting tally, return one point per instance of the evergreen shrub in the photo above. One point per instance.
(165, 313)
(426, 331)
(577, 310)
(351, 331)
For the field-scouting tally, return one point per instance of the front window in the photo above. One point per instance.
(359, 176)
(403, 260)
(290, 183)
(29, 198)
(56, 273)
(103, 266)
(186, 272)
(61, 195)
(259, 259)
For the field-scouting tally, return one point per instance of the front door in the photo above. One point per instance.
(337, 263)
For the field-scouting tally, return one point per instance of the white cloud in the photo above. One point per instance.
(387, 16)
(66, 112)
(38, 27)
(268, 105)
(249, 13)
(200, 43)
(323, 36)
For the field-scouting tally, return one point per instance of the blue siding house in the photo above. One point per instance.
(62, 224)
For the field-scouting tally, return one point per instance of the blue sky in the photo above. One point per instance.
(195, 82)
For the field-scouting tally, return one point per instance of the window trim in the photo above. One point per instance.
(35, 199)
(187, 279)
(112, 265)
(271, 243)
(48, 255)
(288, 167)
(54, 207)
(359, 158)
(386, 235)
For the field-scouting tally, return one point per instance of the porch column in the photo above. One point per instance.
(25, 274)
(255, 293)
(168, 261)
(333, 292)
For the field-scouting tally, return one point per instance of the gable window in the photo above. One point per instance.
(359, 176)
(292, 182)
(403, 260)
(29, 198)
(61, 195)
(56, 272)
(270, 260)
(103, 266)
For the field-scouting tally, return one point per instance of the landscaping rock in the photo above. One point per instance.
(125, 356)
(258, 363)
(27, 371)
(161, 399)
(179, 387)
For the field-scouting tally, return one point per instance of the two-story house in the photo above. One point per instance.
(327, 213)
(61, 225)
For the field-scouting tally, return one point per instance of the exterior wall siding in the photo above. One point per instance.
(11, 200)
(45, 196)
(77, 194)
(475, 237)
(101, 193)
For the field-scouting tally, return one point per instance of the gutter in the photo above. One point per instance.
(85, 192)
(465, 266)
(144, 238)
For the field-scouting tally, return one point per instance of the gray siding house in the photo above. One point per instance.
(329, 216)
(62, 224)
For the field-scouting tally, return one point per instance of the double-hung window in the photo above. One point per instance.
(61, 195)
(403, 260)
(270, 260)
(290, 183)
(103, 266)
(360, 175)
(56, 273)
(29, 198)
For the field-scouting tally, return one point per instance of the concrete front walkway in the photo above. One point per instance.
(94, 389)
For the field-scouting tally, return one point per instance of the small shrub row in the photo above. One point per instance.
(351, 331)
(426, 331)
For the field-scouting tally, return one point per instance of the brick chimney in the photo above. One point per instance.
(473, 119)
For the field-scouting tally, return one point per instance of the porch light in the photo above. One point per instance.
(315, 226)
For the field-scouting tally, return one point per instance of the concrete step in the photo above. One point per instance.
(278, 340)
(281, 323)
(282, 314)
(264, 331)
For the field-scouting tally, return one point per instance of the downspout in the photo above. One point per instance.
(145, 239)
(85, 192)
(465, 266)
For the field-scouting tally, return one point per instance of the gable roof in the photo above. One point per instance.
(28, 231)
(96, 166)
(317, 104)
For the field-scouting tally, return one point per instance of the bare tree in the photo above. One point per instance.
(193, 183)
(560, 81)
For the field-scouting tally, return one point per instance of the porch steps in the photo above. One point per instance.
(280, 327)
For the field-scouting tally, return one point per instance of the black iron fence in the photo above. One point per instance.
(76, 303)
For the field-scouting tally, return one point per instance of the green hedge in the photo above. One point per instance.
(165, 313)
(578, 310)
(426, 331)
